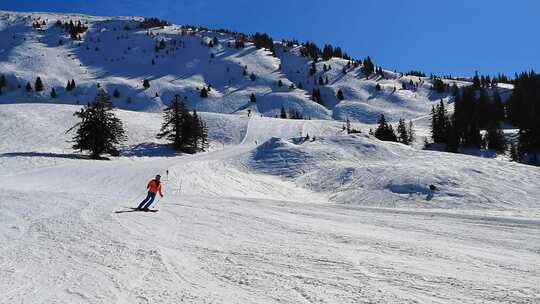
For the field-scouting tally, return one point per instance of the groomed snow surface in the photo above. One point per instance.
(264, 217)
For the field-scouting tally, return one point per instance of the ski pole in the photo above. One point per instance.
(159, 200)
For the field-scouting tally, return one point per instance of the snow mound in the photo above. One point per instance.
(358, 169)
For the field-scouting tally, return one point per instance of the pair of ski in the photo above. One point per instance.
(137, 210)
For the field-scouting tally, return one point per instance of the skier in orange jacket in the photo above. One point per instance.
(154, 187)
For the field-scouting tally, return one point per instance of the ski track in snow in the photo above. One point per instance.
(228, 233)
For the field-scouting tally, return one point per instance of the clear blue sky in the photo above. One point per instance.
(441, 37)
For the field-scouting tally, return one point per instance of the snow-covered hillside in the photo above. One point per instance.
(116, 53)
(264, 217)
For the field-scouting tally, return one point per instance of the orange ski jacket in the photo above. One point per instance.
(154, 187)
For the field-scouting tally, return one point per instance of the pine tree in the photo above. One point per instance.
(280, 83)
(452, 136)
(410, 130)
(99, 130)
(72, 84)
(340, 96)
(495, 139)
(439, 86)
(68, 86)
(38, 85)
(403, 134)
(116, 93)
(523, 111)
(455, 90)
(514, 153)
(172, 126)
(313, 68)
(252, 98)
(146, 83)
(252, 77)
(185, 131)
(28, 87)
(439, 123)
(328, 52)
(476, 81)
(368, 67)
(316, 96)
(378, 87)
(484, 109)
(283, 114)
(498, 108)
(385, 131)
(3, 81)
(204, 93)
(53, 93)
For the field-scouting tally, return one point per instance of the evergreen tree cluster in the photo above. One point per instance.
(38, 25)
(263, 40)
(153, 22)
(501, 78)
(415, 73)
(316, 96)
(380, 72)
(184, 130)
(367, 66)
(405, 134)
(385, 131)
(293, 114)
(439, 123)
(205, 91)
(473, 111)
(311, 50)
(484, 82)
(439, 86)
(329, 51)
(73, 29)
(523, 111)
(239, 43)
(99, 130)
(3, 82)
(70, 86)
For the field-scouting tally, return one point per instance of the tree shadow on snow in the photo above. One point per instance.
(149, 150)
(43, 154)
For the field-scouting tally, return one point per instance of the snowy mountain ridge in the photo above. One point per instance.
(117, 54)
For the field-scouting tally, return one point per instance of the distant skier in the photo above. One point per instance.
(154, 187)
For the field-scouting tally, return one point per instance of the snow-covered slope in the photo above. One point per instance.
(259, 222)
(358, 169)
(115, 53)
